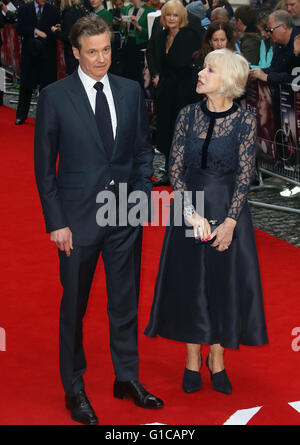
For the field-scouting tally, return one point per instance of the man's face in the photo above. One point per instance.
(239, 25)
(41, 2)
(293, 7)
(279, 32)
(94, 56)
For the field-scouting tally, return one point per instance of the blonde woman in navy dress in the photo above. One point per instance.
(208, 288)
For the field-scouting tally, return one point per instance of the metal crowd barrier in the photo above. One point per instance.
(277, 110)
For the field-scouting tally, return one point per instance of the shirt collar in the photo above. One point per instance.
(37, 6)
(89, 82)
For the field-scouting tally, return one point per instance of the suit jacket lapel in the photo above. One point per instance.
(119, 106)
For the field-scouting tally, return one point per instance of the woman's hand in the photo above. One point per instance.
(200, 225)
(223, 234)
(155, 80)
(56, 27)
(135, 22)
(297, 45)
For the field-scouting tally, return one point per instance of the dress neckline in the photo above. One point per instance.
(219, 114)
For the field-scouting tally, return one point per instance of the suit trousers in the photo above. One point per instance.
(25, 95)
(121, 253)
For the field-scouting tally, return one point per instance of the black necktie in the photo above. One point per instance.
(39, 14)
(103, 118)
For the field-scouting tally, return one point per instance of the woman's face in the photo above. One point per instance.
(209, 80)
(263, 104)
(95, 4)
(172, 19)
(119, 4)
(262, 30)
(218, 40)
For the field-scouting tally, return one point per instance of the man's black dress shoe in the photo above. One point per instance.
(164, 180)
(19, 121)
(81, 409)
(134, 389)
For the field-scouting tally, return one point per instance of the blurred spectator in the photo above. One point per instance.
(118, 5)
(218, 4)
(293, 7)
(10, 16)
(280, 25)
(153, 54)
(250, 40)
(98, 8)
(135, 25)
(265, 5)
(220, 15)
(71, 11)
(2, 23)
(175, 88)
(280, 5)
(197, 9)
(266, 46)
(38, 55)
(115, 66)
(155, 4)
(218, 35)
(237, 34)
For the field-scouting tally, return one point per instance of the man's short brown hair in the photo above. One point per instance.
(90, 25)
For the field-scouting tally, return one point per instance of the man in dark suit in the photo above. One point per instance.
(38, 56)
(94, 160)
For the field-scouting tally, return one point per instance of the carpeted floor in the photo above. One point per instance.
(30, 388)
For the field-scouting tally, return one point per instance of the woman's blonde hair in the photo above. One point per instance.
(69, 3)
(234, 70)
(174, 6)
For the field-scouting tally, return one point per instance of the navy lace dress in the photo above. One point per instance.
(201, 295)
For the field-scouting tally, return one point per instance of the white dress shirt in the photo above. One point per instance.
(91, 92)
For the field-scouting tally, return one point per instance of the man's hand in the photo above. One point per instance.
(39, 33)
(3, 7)
(63, 240)
(257, 73)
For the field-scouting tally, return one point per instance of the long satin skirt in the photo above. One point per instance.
(204, 296)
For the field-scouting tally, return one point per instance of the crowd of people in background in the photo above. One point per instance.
(266, 33)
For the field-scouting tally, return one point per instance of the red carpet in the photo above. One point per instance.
(31, 393)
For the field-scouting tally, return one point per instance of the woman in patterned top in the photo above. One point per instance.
(208, 288)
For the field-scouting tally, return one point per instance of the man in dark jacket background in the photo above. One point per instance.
(38, 56)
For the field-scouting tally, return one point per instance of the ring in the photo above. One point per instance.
(226, 247)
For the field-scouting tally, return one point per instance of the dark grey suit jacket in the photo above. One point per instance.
(66, 129)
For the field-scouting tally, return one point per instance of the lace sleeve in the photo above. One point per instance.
(176, 162)
(246, 165)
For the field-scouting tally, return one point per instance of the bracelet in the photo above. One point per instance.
(188, 210)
